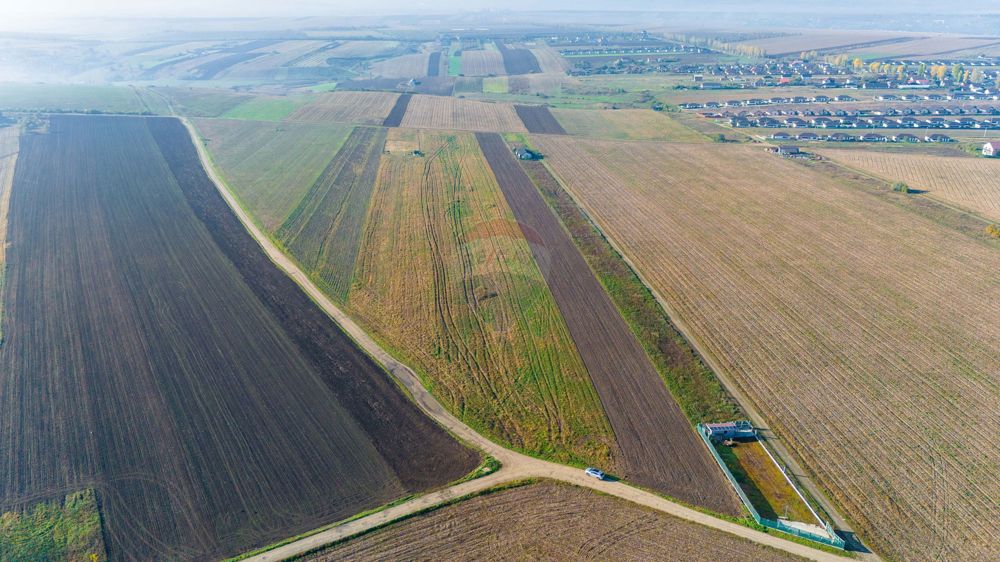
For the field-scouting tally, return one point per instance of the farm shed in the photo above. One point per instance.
(526, 154)
(991, 149)
(742, 429)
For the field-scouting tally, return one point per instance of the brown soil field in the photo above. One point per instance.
(517, 60)
(538, 119)
(929, 46)
(362, 108)
(482, 63)
(446, 279)
(398, 111)
(405, 66)
(823, 303)
(546, 521)
(625, 124)
(434, 112)
(823, 40)
(968, 182)
(155, 354)
(549, 60)
(323, 231)
(659, 448)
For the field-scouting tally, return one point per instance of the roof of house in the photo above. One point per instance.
(995, 145)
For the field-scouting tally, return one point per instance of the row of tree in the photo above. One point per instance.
(737, 49)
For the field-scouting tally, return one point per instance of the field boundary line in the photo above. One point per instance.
(748, 405)
(514, 465)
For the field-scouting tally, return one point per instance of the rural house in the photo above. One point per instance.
(991, 149)
(526, 154)
(730, 430)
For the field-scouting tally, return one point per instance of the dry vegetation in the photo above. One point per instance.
(546, 83)
(270, 166)
(827, 307)
(405, 66)
(362, 108)
(445, 276)
(625, 124)
(547, 521)
(482, 63)
(965, 181)
(435, 112)
(550, 60)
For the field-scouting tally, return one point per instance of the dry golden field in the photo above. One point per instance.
(437, 112)
(625, 124)
(867, 336)
(547, 521)
(362, 108)
(971, 183)
(446, 278)
(482, 63)
(405, 66)
(549, 59)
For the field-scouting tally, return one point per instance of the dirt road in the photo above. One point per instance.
(515, 465)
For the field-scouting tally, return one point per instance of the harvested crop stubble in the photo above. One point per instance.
(155, 354)
(824, 305)
(362, 108)
(435, 112)
(659, 448)
(445, 275)
(549, 60)
(404, 66)
(322, 233)
(270, 166)
(547, 521)
(482, 63)
(625, 124)
(968, 182)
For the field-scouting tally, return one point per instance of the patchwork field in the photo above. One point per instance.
(270, 166)
(361, 108)
(625, 124)
(659, 448)
(434, 112)
(482, 62)
(970, 183)
(155, 354)
(546, 521)
(445, 277)
(824, 305)
(323, 231)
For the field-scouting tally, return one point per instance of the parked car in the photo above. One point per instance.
(595, 472)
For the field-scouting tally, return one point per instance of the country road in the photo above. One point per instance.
(515, 465)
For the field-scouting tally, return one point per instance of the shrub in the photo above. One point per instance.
(993, 230)
(900, 187)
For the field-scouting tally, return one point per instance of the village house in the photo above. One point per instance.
(991, 149)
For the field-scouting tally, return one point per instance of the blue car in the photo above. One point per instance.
(595, 472)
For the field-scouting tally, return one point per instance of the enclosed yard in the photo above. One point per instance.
(547, 521)
(153, 353)
(823, 303)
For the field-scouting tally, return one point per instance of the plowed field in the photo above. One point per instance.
(659, 448)
(547, 522)
(155, 354)
(360, 108)
(866, 335)
(435, 112)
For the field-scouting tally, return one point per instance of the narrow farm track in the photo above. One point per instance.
(515, 465)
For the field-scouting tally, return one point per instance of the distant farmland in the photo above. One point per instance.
(156, 355)
(547, 522)
(971, 183)
(435, 112)
(445, 277)
(362, 108)
(825, 305)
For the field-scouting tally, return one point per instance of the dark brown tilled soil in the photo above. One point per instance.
(538, 119)
(153, 352)
(434, 64)
(659, 448)
(395, 116)
(517, 61)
